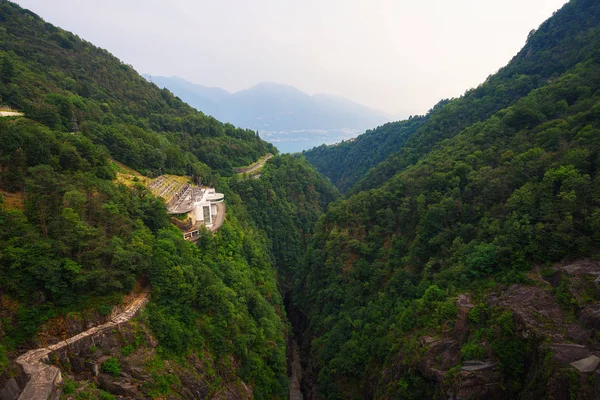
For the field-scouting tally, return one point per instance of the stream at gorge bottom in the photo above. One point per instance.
(295, 351)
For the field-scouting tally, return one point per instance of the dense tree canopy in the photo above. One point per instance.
(70, 85)
(571, 36)
(490, 185)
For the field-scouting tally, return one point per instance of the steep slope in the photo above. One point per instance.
(453, 277)
(289, 118)
(347, 162)
(285, 203)
(74, 241)
(566, 39)
(68, 84)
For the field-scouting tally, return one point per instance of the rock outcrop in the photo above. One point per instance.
(44, 378)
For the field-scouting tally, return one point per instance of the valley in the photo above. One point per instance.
(150, 251)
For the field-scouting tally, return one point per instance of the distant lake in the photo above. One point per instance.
(296, 141)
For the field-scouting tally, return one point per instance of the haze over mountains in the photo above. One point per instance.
(289, 118)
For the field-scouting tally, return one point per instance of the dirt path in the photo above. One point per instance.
(45, 378)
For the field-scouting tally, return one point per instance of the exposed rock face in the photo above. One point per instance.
(535, 309)
(584, 267)
(43, 379)
(13, 381)
(583, 278)
(578, 334)
(544, 324)
(461, 327)
(590, 316)
(485, 383)
(475, 365)
(566, 353)
(540, 318)
(121, 386)
(476, 379)
(440, 356)
(11, 390)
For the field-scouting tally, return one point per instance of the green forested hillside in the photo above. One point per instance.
(74, 241)
(285, 203)
(488, 195)
(569, 37)
(347, 162)
(463, 265)
(68, 84)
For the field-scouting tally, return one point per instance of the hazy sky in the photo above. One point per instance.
(400, 56)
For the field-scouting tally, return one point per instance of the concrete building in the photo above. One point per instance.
(206, 208)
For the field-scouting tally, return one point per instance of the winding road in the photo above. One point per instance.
(251, 169)
(45, 378)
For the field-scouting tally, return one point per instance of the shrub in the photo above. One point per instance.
(112, 366)
(68, 386)
(106, 396)
(472, 351)
(127, 350)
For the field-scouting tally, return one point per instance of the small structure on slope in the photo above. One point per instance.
(9, 112)
(191, 206)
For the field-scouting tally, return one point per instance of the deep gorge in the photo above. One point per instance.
(461, 259)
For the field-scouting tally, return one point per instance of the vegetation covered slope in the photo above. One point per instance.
(285, 203)
(347, 162)
(74, 241)
(470, 214)
(68, 84)
(566, 39)
(79, 242)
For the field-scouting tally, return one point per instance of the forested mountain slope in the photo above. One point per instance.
(285, 203)
(566, 39)
(74, 241)
(493, 206)
(347, 162)
(68, 84)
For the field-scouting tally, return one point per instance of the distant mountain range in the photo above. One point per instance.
(289, 118)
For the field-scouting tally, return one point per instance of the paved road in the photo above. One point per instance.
(220, 217)
(257, 166)
(44, 378)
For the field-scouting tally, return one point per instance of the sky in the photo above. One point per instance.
(398, 56)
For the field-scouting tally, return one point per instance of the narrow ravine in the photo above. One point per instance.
(295, 370)
(294, 352)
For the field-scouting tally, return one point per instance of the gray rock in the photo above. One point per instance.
(120, 387)
(475, 365)
(587, 365)
(566, 353)
(578, 334)
(590, 316)
(10, 391)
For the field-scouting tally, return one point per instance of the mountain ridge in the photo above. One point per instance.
(280, 111)
(533, 66)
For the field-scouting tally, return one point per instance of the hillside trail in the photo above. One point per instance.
(45, 377)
